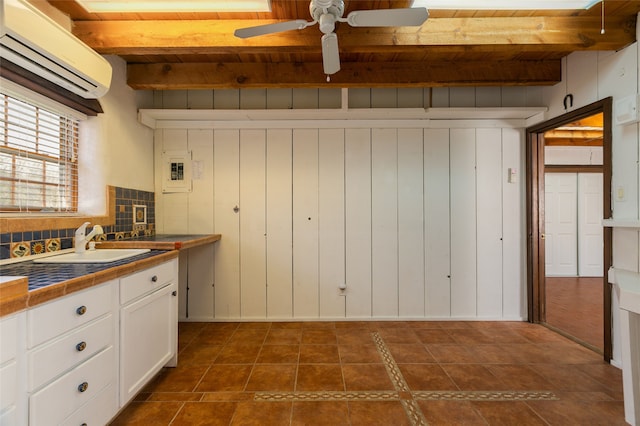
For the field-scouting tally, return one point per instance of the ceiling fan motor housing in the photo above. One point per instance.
(317, 8)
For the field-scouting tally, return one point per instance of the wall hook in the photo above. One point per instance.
(568, 98)
(236, 209)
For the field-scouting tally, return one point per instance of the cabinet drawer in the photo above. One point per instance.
(8, 385)
(144, 282)
(61, 315)
(9, 417)
(9, 338)
(61, 398)
(69, 351)
(98, 411)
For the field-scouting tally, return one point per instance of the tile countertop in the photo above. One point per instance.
(27, 284)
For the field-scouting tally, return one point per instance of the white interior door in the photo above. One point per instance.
(560, 225)
(590, 240)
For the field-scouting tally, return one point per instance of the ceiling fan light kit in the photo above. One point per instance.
(326, 13)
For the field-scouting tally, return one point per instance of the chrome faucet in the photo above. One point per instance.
(81, 239)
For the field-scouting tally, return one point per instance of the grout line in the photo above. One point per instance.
(411, 408)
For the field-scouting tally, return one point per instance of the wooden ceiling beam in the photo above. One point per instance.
(373, 74)
(540, 34)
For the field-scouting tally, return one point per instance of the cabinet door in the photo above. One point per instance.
(147, 339)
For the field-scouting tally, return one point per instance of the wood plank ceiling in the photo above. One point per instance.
(452, 48)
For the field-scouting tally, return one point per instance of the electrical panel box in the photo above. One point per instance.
(176, 171)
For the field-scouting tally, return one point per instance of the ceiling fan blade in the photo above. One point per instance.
(259, 30)
(388, 17)
(330, 54)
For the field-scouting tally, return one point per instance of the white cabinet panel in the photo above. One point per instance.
(8, 385)
(358, 221)
(411, 287)
(226, 202)
(384, 221)
(331, 222)
(560, 225)
(148, 339)
(437, 240)
(513, 237)
(590, 238)
(463, 223)
(279, 233)
(489, 178)
(305, 223)
(253, 299)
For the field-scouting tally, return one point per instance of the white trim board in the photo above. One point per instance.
(341, 118)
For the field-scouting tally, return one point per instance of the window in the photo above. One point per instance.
(38, 158)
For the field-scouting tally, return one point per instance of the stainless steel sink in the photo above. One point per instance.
(92, 256)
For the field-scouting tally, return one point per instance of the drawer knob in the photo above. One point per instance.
(81, 310)
(83, 424)
(154, 278)
(81, 346)
(83, 386)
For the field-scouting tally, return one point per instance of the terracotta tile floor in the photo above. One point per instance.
(575, 306)
(379, 373)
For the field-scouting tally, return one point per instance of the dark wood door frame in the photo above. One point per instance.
(535, 211)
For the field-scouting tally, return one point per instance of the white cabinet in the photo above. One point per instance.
(148, 326)
(72, 357)
(12, 391)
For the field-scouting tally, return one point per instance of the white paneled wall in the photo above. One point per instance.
(437, 221)
(418, 223)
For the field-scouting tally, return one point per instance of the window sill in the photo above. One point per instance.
(42, 221)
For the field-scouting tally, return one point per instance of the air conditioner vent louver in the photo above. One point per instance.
(36, 43)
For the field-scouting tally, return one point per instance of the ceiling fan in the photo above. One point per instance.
(327, 12)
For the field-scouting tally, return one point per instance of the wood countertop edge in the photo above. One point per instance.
(161, 245)
(27, 299)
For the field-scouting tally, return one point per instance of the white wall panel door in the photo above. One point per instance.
(590, 238)
(384, 222)
(513, 238)
(200, 264)
(279, 237)
(560, 225)
(463, 222)
(489, 222)
(226, 199)
(305, 223)
(358, 222)
(331, 222)
(253, 290)
(436, 222)
(411, 286)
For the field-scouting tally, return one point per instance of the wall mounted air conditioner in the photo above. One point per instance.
(33, 41)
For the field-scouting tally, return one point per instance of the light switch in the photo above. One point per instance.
(512, 175)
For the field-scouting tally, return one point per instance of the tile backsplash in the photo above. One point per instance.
(19, 244)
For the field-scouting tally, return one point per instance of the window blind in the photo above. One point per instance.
(38, 158)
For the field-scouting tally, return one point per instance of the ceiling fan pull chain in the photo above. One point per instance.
(602, 19)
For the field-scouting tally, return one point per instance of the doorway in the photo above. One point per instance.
(569, 252)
